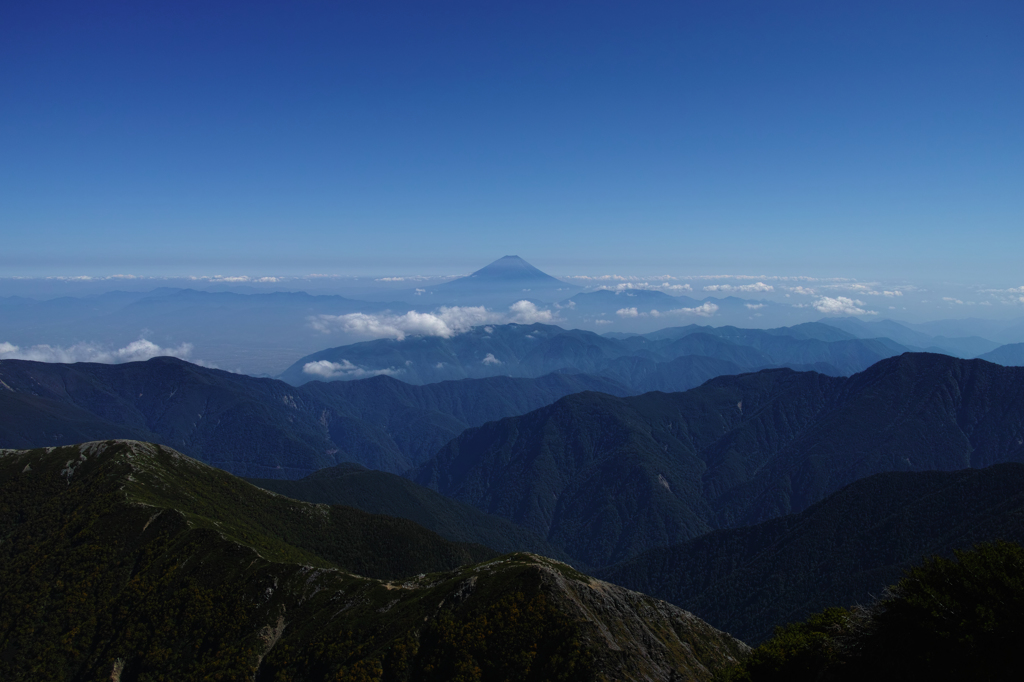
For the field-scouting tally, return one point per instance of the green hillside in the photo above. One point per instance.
(947, 619)
(378, 492)
(128, 561)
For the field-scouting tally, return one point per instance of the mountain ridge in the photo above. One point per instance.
(102, 575)
(605, 477)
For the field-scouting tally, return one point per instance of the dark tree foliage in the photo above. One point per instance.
(950, 619)
(798, 651)
(947, 619)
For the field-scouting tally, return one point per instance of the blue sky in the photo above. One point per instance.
(829, 139)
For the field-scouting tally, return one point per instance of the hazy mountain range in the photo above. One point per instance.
(749, 476)
(263, 333)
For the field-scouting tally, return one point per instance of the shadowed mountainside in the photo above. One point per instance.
(841, 551)
(378, 492)
(605, 478)
(259, 427)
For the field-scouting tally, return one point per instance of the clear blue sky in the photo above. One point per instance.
(823, 138)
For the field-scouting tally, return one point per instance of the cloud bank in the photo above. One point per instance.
(757, 287)
(136, 351)
(841, 305)
(705, 310)
(444, 322)
(326, 369)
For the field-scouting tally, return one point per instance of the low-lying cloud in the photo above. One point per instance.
(444, 322)
(325, 369)
(706, 310)
(841, 305)
(136, 351)
(756, 287)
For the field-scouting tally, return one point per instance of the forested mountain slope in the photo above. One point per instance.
(605, 478)
(126, 560)
(378, 492)
(839, 552)
(259, 427)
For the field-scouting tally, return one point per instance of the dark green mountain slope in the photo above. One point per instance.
(605, 477)
(839, 552)
(259, 427)
(946, 620)
(124, 560)
(378, 492)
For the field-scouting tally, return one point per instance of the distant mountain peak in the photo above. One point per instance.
(509, 277)
(512, 268)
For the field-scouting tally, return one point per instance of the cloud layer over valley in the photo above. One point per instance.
(445, 322)
(136, 351)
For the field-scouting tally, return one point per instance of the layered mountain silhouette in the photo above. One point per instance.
(959, 346)
(260, 427)
(838, 552)
(605, 478)
(538, 349)
(1011, 355)
(127, 560)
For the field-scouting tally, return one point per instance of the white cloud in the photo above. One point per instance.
(343, 370)
(627, 312)
(646, 286)
(526, 312)
(804, 290)
(754, 306)
(892, 293)
(444, 322)
(950, 299)
(706, 310)
(135, 351)
(757, 287)
(489, 359)
(841, 305)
